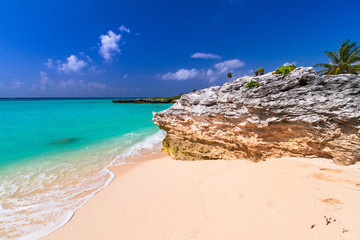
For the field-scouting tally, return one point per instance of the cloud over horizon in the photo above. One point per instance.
(229, 65)
(16, 84)
(205, 55)
(181, 74)
(73, 64)
(212, 74)
(74, 84)
(81, 85)
(44, 81)
(109, 45)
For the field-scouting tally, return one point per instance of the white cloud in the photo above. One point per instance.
(45, 84)
(96, 85)
(125, 76)
(181, 74)
(66, 84)
(249, 73)
(212, 74)
(122, 28)
(109, 45)
(44, 81)
(86, 56)
(290, 63)
(49, 63)
(229, 65)
(16, 84)
(81, 84)
(219, 69)
(95, 70)
(73, 64)
(205, 55)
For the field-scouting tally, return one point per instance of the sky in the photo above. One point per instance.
(139, 48)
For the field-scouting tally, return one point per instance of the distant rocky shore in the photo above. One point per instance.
(297, 114)
(145, 100)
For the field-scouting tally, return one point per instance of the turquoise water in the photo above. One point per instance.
(54, 156)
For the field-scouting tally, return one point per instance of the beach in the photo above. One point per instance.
(179, 120)
(162, 198)
(55, 155)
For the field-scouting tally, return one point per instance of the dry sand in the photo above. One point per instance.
(288, 198)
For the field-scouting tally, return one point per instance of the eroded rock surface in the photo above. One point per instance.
(299, 114)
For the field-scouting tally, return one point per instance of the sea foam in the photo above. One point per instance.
(45, 197)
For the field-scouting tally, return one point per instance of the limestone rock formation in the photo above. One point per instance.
(299, 114)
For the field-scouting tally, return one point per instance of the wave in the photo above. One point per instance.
(148, 146)
(43, 198)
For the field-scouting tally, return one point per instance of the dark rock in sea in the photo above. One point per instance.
(145, 100)
(300, 114)
(66, 140)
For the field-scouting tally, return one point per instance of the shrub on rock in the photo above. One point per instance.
(284, 69)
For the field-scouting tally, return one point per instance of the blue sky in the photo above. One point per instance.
(114, 48)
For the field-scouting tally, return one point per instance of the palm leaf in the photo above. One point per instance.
(334, 58)
(342, 61)
(354, 56)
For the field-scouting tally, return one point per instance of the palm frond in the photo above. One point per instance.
(356, 65)
(325, 65)
(347, 68)
(342, 61)
(334, 57)
(347, 50)
(356, 68)
(331, 72)
(338, 70)
(326, 70)
(354, 56)
(323, 72)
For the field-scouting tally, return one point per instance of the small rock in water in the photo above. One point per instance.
(65, 140)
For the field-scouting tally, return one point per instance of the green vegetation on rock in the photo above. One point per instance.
(284, 69)
(169, 98)
(259, 72)
(253, 83)
(343, 61)
(229, 75)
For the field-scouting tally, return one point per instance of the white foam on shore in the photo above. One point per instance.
(51, 200)
(148, 146)
(50, 228)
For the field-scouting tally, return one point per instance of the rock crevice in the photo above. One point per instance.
(299, 114)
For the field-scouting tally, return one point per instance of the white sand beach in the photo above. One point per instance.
(287, 198)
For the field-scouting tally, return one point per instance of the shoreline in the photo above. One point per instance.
(113, 170)
(48, 171)
(72, 191)
(221, 199)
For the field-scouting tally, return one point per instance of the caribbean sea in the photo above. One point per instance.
(54, 155)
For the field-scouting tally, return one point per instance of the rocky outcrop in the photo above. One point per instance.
(145, 100)
(299, 114)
